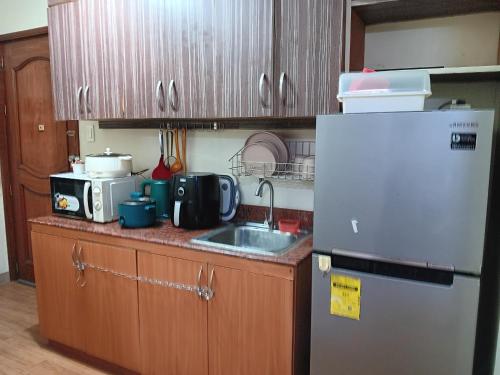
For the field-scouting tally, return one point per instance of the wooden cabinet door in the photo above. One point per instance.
(113, 77)
(250, 323)
(155, 42)
(59, 298)
(110, 304)
(308, 56)
(226, 66)
(242, 60)
(173, 322)
(68, 60)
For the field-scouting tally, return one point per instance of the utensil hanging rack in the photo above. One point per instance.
(289, 171)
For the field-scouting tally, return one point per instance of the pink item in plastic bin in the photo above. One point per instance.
(370, 83)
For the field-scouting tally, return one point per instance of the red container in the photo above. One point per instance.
(289, 226)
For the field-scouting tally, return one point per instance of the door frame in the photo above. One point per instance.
(4, 149)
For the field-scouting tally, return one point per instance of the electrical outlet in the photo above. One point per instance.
(90, 133)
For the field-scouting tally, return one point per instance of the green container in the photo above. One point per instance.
(159, 191)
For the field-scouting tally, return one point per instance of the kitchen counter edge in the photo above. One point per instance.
(166, 234)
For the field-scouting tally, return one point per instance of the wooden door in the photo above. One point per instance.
(173, 322)
(68, 60)
(250, 323)
(37, 144)
(110, 303)
(59, 298)
(308, 58)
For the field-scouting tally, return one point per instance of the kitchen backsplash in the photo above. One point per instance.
(207, 151)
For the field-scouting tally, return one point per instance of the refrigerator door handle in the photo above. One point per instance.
(367, 256)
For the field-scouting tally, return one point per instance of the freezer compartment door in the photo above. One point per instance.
(405, 327)
(410, 186)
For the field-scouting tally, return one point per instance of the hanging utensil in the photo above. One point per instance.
(170, 148)
(184, 141)
(161, 172)
(177, 166)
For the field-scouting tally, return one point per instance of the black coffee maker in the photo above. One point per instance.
(195, 200)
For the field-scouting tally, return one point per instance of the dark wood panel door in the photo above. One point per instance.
(37, 144)
(68, 57)
(309, 54)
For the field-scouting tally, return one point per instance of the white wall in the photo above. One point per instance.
(208, 151)
(470, 40)
(17, 15)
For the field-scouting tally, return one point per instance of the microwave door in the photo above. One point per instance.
(68, 197)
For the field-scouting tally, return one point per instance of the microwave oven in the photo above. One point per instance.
(82, 197)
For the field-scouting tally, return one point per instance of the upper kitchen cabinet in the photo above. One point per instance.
(207, 59)
(168, 54)
(94, 59)
(67, 60)
(195, 58)
(242, 58)
(308, 58)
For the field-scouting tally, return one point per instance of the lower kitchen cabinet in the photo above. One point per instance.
(136, 306)
(96, 314)
(250, 323)
(110, 304)
(173, 322)
(59, 298)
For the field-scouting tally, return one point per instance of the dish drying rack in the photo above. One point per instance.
(289, 171)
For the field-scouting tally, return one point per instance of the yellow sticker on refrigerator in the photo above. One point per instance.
(345, 296)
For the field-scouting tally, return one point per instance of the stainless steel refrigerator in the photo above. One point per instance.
(402, 206)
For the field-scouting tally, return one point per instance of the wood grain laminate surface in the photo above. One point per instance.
(67, 51)
(173, 322)
(110, 305)
(195, 59)
(244, 306)
(310, 53)
(58, 295)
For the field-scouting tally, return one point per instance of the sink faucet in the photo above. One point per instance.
(258, 193)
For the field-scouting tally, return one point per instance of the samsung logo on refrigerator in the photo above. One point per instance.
(463, 141)
(465, 125)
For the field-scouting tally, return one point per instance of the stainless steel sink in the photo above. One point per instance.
(251, 238)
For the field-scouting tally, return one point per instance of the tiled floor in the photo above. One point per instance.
(22, 350)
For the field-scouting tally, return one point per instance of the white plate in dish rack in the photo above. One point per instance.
(259, 158)
(272, 138)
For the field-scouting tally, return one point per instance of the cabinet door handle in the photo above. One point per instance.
(198, 283)
(86, 99)
(282, 91)
(262, 81)
(159, 90)
(123, 106)
(211, 290)
(172, 92)
(79, 99)
(74, 257)
(80, 280)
